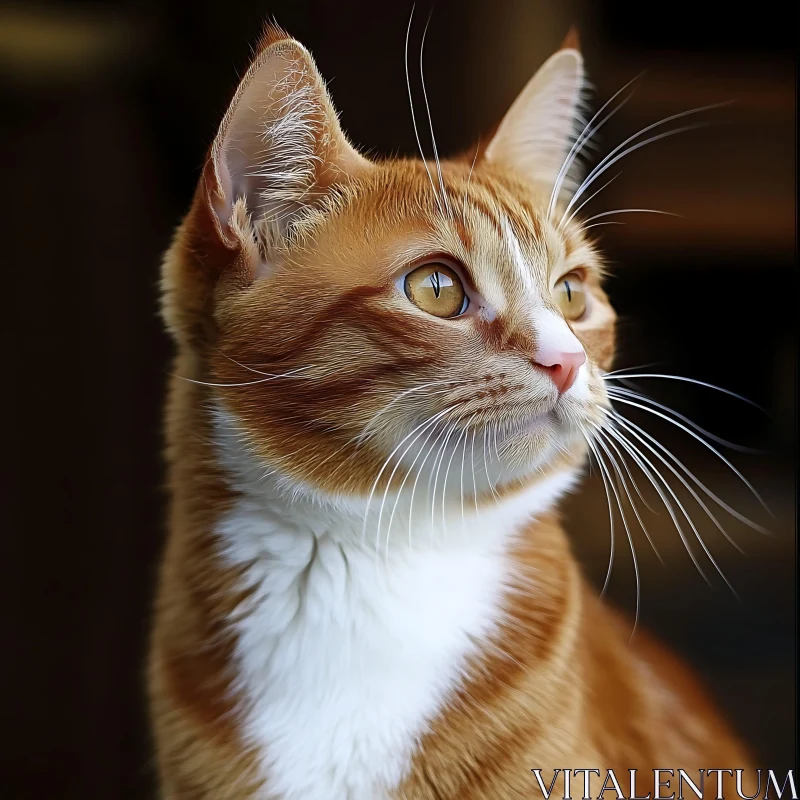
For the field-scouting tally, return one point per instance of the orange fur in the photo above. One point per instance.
(561, 686)
(571, 692)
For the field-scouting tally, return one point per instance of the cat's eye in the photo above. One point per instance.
(570, 294)
(436, 289)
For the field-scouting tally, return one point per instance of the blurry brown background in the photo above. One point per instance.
(107, 111)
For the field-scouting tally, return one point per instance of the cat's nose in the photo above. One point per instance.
(561, 365)
(558, 350)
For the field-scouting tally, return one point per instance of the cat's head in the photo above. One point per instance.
(367, 323)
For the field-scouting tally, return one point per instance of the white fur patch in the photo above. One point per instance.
(521, 265)
(347, 651)
(553, 334)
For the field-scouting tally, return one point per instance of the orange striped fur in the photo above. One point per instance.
(294, 273)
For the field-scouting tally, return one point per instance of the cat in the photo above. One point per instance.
(387, 375)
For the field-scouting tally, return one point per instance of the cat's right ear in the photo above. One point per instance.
(279, 148)
(538, 130)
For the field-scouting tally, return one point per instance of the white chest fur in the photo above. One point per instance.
(343, 660)
(346, 651)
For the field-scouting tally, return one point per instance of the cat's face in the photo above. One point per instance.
(378, 323)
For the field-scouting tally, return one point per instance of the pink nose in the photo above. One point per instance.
(562, 367)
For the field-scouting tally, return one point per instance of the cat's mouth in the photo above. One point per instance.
(527, 424)
(555, 420)
(552, 414)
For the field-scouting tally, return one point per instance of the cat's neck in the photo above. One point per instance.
(349, 643)
(382, 525)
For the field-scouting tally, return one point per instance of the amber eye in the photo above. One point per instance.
(570, 295)
(436, 289)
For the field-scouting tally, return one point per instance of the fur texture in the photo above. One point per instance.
(366, 592)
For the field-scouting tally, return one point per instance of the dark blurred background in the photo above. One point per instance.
(108, 109)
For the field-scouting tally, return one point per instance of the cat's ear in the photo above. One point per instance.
(280, 147)
(538, 130)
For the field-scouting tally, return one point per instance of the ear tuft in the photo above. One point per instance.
(542, 123)
(270, 35)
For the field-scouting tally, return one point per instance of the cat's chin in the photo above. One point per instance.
(534, 443)
(541, 428)
(536, 424)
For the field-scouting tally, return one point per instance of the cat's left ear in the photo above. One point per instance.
(280, 147)
(538, 130)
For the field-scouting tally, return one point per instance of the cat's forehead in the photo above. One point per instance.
(497, 228)
(510, 251)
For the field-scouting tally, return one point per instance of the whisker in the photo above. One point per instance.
(604, 164)
(432, 474)
(616, 376)
(463, 459)
(486, 467)
(564, 222)
(469, 179)
(416, 481)
(580, 142)
(386, 463)
(632, 211)
(407, 392)
(732, 511)
(474, 481)
(445, 199)
(235, 385)
(612, 157)
(408, 472)
(617, 392)
(601, 431)
(600, 224)
(414, 116)
(689, 488)
(442, 454)
(389, 486)
(691, 522)
(239, 363)
(361, 436)
(650, 471)
(463, 435)
(704, 443)
(622, 370)
(602, 444)
(610, 442)
(596, 454)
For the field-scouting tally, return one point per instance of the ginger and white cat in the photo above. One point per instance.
(386, 375)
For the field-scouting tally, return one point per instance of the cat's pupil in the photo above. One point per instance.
(437, 287)
(569, 291)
